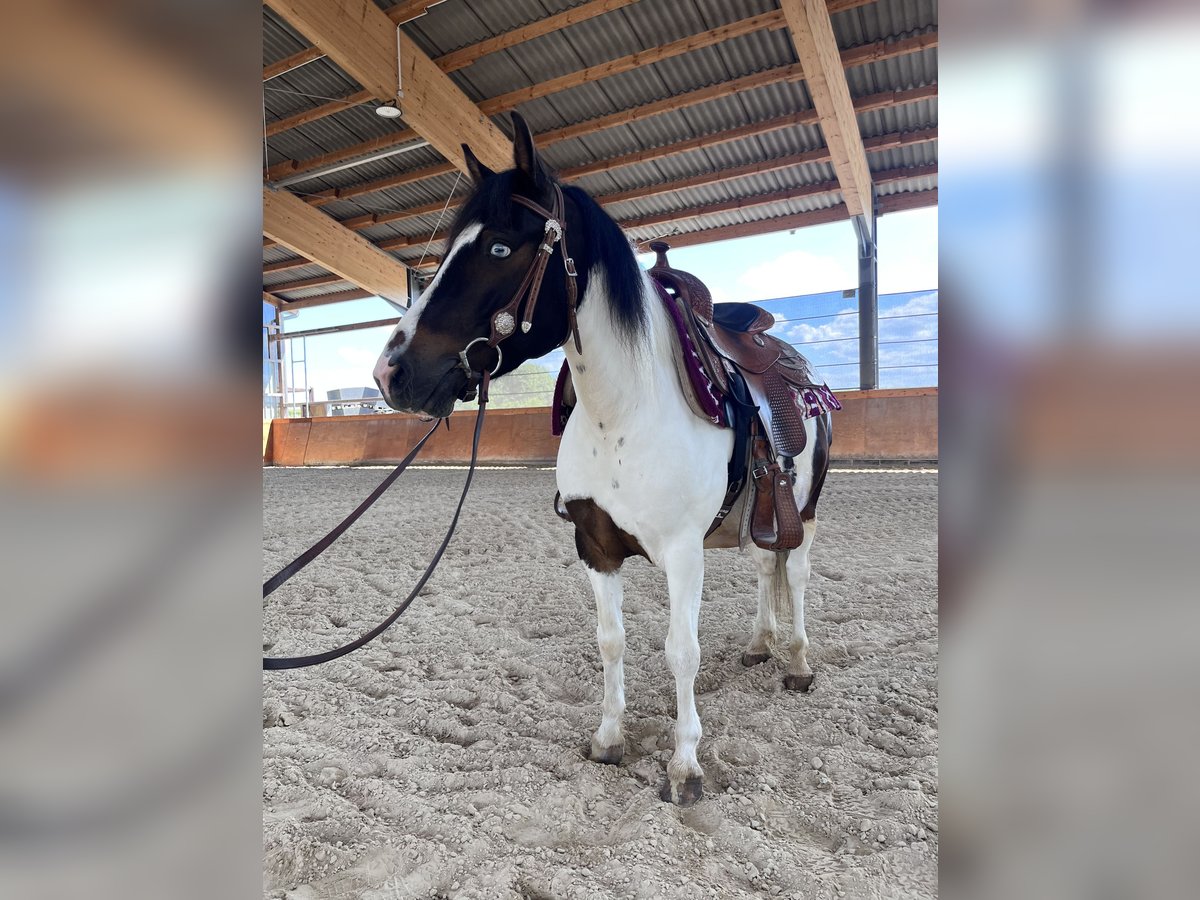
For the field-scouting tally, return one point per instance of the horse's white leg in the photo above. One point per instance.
(759, 648)
(608, 744)
(799, 676)
(684, 565)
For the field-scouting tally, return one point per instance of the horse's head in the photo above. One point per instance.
(490, 251)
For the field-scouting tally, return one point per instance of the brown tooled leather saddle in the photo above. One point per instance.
(736, 375)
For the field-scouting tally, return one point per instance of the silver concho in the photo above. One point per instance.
(505, 324)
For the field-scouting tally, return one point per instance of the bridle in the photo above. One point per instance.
(504, 323)
(504, 320)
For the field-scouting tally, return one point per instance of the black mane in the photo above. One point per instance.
(603, 244)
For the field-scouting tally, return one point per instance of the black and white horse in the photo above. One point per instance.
(639, 472)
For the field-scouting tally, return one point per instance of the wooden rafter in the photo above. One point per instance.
(755, 129)
(887, 176)
(794, 72)
(882, 142)
(513, 99)
(364, 42)
(284, 265)
(407, 10)
(295, 61)
(318, 281)
(870, 102)
(326, 299)
(379, 184)
(808, 190)
(837, 213)
(290, 221)
(888, 204)
(316, 113)
(581, 13)
(467, 55)
(824, 74)
(296, 166)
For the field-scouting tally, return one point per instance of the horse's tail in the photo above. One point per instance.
(781, 592)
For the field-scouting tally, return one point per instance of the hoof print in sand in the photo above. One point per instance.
(754, 659)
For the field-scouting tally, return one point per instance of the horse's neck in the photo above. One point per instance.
(617, 379)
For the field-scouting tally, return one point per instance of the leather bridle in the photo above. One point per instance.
(504, 323)
(524, 299)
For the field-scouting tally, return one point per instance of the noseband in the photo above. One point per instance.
(504, 320)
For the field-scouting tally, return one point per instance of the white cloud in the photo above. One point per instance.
(798, 272)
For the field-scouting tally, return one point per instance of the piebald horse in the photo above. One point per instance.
(639, 472)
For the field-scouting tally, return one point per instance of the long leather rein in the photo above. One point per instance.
(503, 324)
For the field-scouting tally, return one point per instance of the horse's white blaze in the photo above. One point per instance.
(407, 325)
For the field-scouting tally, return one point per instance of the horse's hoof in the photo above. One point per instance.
(684, 795)
(800, 683)
(753, 659)
(609, 756)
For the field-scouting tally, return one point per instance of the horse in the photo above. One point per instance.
(638, 472)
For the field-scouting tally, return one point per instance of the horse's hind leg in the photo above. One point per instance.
(685, 578)
(608, 744)
(799, 675)
(759, 648)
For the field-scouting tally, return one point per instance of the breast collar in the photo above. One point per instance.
(504, 320)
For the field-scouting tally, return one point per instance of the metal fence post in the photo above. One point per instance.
(868, 304)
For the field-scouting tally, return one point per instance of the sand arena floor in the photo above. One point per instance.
(446, 759)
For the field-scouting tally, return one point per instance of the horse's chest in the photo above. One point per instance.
(652, 483)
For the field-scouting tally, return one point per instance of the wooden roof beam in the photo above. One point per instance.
(290, 221)
(887, 176)
(889, 204)
(316, 113)
(295, 61)
(807, 190)
(459, 59)
(512, 99)
(882, 142)
(874, 52)
(326, 299)
(804, 117)
(463, 57)
(363, 41)
(318, 281)
(824, 73)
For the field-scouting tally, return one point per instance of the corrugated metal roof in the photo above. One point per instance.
(637, 27)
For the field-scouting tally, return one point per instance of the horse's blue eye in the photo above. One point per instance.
(500, 250)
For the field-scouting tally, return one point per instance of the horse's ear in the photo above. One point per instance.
(477, 169)
(525, 155)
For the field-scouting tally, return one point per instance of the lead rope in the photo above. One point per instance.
(275, 663)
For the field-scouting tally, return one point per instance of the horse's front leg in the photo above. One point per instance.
(685, 578)
(608, 744)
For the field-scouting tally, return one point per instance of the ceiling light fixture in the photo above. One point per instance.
(388, 110)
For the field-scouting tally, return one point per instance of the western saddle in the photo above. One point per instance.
(736, 375)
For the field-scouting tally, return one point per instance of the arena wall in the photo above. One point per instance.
(872, 425)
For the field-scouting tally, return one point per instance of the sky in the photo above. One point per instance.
(814, 260)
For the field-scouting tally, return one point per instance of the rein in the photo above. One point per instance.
(504, 324)
(275, 663)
